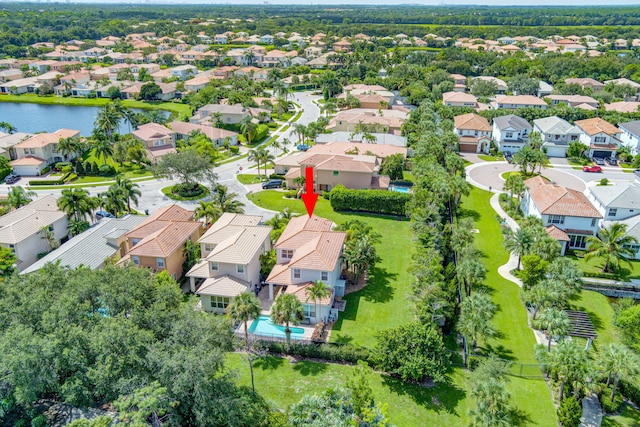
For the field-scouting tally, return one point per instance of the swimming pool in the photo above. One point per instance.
(399, 188)
(265, 327)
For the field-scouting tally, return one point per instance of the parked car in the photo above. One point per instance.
(508, 156)
(11, 178)
(598, 161)
(302, 147)
(594, 168)
(272, 183)
(611, 161)
(103, 214)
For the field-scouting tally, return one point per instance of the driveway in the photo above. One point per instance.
(487, 176)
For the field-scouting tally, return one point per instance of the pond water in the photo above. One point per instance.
(33, 118)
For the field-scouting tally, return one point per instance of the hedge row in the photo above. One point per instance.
(347, 353)
(374, 201)
(64, 179)
(4, 172)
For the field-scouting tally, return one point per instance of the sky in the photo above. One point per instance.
(365, 2)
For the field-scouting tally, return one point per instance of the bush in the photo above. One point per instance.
(276, 176)
(62, 180)
(4, 172)
(95, 169)
(326, 195)
(330, 351)
(569, 412)
(608, 406)
(402, 182)
(58, 166)
(631, 391)
(234, 149)
(374, 201)
(106, 170)
(80, 168)
(291, 194)
(46, 170)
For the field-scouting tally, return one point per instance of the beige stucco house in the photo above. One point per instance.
(159, 140)
(35, 153)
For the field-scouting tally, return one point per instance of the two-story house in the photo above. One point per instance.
(35, 153)
(230, 263)
(630, 136)
(159, 140)
(511, 133)
(218, 137)
(513, 102)
(307, 251)
(556, 135)
(474, 132)
(158, 242)
(577, 101)
(459, 99)
(586, 83)
(568, 214)
(602, 138)
(616, 202)
(228, 114)
(22, 230)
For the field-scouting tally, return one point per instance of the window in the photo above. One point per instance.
(578, 241)
(135, 242)
(508, 135)
(593, 222)
(160, 262)
(336, 173)
(219, 302)
(556, 219)
(573, 137)
(240, 268)
(309, 311)
(208, 247)
(26, 151)
(135, 259)
(213, 266)
(613, 212)
(556, 137)
(324, 276)
(296, 273)
(287, 253)
(600, 139)
(13, 248)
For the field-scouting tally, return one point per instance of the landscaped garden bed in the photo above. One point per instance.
(182, 192)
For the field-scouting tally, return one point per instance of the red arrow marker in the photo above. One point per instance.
(309, 197)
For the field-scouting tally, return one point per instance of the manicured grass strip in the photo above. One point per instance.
(629, 417)
(489, 158)
(383, 302)
(594, 266)
(245, 178)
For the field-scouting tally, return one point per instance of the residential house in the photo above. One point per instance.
(602, 138)
(230, 264)
(586, 83)
(8, 141)
(220, 39)
(568, 214)
(514, 102)
(630, 136)
(501, 85)
(364, 120)
(474, 132)
(350, 137)
(19, 86)
(228, 114)
(218, 137)
(556, 134)
(578, 101)
(39, 151)
(133, 91)
(267, 39)
(183, 72)
(459, 99)
(459, 82)
(21, 230)
(623, 107)
(511, 133)
(544, 89)
(9, 75)
(158, 242)
(312, 52)
(370, 96)
(342, 46)
(307, 251)
(92, 248)
(617, 201)
(158, 140)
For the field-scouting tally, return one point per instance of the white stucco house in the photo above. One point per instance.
(602, 138)
(568, 214)
(556, 135)
(630, 136)
(511, 133)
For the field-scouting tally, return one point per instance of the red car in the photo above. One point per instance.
(594, 168)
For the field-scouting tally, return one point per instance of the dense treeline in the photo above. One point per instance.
(22, 24)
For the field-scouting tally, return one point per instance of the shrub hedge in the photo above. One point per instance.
(631, 391)
(608, 406)
(64, 179)
(330, 351)
(4, 172)
(374, 201)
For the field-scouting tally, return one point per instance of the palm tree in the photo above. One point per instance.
(76, 203)
(104, 149)
(243, 308)
(519, 243)
(76, 227)
(207, 210)
(613, 246)
(19, 197)
(618, 361)
(360, 256)
(130, 190)
(107, 121)
(226, 201)
(316, 292)
(492, 408)
(476, 313)
(8, 127)
(301, 131)
(570, 363)
(69, 146)
(248, 128)
(266, 159)
(555, 322)
(514, 184)
(287, 310)
(254, 156)
(113, 200)
(470, 272)
(49, 236)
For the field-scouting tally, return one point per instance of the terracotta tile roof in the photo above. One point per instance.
(557, 234)
(44, 139)
(472, 121)
(280, 274)
(226, 286)
(241, 246)
(321, 252)
(380, 150)
(597, 125)
(185, 128)
(151, 131)
(552, 199)
(300, 291)
(623, 107)
(28, 161)
(29, 219)
(346, 163)
(304, 223)
(521, 100)
(166, 240)
(458, 97)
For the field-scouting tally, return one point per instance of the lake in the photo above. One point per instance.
(31, 118)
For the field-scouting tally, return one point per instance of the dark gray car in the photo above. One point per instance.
(272, 183)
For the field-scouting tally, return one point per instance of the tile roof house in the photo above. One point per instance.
(158, 242)
(21, 229)
(623, 107)
(602, 138)
(229, 114)
(308, 250)
(183, 130)
(9, 140)
(91, 249)
(459, 99)
(574, 101)
(568, 210)
(511, 132)
(616, 202)
(230, 264)
(159, 140)
(586, 82)
(378, 121)
(39, 151)
(556, 135)
(513, 102)
(630, 136)
(474, 132)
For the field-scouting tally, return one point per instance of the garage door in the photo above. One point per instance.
(556, 152)
(601, 154)
(468, 148)
(26, 170)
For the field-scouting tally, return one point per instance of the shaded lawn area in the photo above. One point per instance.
(383, 302)
(594, 267)
(628, 418)
(284, 383)
(601, 314)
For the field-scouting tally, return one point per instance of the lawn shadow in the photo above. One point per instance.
(343, 339)
(469, 213)
(442, 397)
(595, 319)
(499, 350)
(268, 363)
(306, 368)
(379, 287)
(520, 418)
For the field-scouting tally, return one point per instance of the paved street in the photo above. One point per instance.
(152, 198)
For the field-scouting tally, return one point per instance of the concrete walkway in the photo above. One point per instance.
(591, 412)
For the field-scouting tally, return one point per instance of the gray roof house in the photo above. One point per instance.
(616, 202)
(92, 248)
(630, 136)
(556, 135)
(511, 132)
(633, 229)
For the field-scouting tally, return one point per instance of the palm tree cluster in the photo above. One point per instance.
(360, 253)
(222, 201)
(614, 245)
(489, 388)
(474, 323)
(19, 197)
(278, 223)
(119, 196)
(78, 205)
(287, 310)
(261, 156)
(531, 238)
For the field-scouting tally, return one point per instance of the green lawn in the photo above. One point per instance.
(246, 178)
(284, 383)
(594, 267)
(487, 158)
(628, 418)
(601, 314)
(383, 303)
